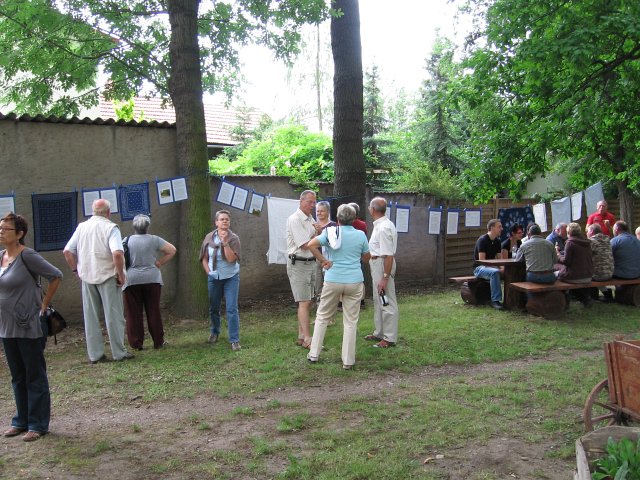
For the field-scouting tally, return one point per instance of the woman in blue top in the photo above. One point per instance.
(220, 258)
(343, 279)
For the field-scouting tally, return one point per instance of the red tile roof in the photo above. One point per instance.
(219, 119)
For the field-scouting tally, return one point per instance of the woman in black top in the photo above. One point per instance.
(512, 244)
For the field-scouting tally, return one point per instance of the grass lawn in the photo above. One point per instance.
(460, 379)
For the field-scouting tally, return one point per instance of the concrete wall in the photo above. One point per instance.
(43, 157)
(46, 157)
(419, 255)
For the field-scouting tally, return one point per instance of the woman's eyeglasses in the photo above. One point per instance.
(2, 229)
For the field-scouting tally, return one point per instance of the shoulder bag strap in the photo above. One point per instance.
(36, 278)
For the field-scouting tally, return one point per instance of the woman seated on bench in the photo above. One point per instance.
(576, 265)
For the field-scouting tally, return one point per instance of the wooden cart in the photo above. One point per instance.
(616, 399)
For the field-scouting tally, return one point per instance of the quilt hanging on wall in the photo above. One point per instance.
(134, 199)
(55, 216)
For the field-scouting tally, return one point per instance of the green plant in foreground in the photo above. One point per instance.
(293, 423)
(621, 463)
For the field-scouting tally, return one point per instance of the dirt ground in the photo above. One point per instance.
(165, 431)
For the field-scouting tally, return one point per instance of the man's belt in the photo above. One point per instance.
(541, 273)
(296, 258)
(374, 258)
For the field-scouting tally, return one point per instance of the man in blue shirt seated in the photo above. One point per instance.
(626, 252)
(559, 236)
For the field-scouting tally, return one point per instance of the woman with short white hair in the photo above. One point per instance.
(142, 290)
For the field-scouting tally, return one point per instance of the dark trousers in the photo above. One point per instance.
(137, 297)
(25, 357)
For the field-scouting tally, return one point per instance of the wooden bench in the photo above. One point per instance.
(474, 290)
(549, 300)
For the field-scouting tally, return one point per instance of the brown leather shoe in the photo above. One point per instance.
(32, 436)
(372, 338)
(13, 432)
(384, 344)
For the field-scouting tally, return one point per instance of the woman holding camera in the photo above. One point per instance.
(22, 331)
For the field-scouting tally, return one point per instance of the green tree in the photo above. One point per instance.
(350, 178)
(438, 125)
(555, 81)
(173, 48)
(374, 119)
(399, 111)
(124, 111)
(292, 150)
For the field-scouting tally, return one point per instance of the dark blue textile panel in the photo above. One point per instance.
(134, 199)
(510, 216)
(55, 217)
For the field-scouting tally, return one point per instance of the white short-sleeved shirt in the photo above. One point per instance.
(384, 238)
(115, 241)
(300, 230)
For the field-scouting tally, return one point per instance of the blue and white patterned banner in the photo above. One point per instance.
(134, 199)
(55, 216)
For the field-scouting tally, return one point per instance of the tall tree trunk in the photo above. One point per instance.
(185, 86)
(626, 203)
(318, 91)
(349, 169)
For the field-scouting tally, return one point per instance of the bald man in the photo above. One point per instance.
(382, 246)
(602, 217)
(95, 254)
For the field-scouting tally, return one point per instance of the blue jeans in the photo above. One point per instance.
(541, 277)
(28, 368)
(493, 275)
(230, 288)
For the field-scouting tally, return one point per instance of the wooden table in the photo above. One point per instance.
(513, 272)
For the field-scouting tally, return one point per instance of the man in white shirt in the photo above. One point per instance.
(95, 254)
(301, 265)
(382, 247)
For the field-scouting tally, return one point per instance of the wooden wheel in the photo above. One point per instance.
(599, 411)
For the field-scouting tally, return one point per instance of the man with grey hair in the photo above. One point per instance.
(301, 267)
(626, 252)
(539, 256)
(382, 246)
(559, 236)
(95, 254)
(603, 217)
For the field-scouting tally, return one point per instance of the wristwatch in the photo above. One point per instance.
(385, 275)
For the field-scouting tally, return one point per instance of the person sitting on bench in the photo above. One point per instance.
(602, 260)
(513, 243)
(559, 236)
(626, 252)
(577, 263)
(539, 256)
(487, 248)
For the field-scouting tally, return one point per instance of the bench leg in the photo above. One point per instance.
(547, 304)
(476, 293)
(628, 295)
